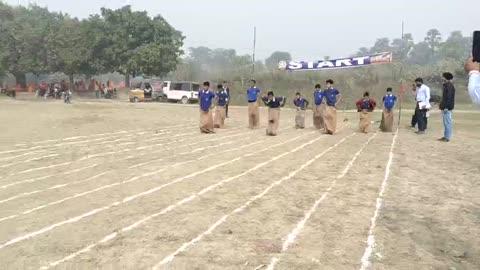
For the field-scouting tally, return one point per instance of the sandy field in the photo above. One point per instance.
(114, 185)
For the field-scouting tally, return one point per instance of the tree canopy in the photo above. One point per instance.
(35, 40)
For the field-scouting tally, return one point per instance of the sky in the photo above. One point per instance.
(308, 29)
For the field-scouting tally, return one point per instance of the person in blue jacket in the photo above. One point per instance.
(273, 103)
(332, 98)
(389, 101)
(253, 112)
(221, 101)
(319, 109)
(301, 105)
(205, 97)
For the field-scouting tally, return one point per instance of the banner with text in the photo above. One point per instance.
(350, 62)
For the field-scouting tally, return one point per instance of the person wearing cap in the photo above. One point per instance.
(319, 109)
(365, 106)
(423, 105)
(273, 103)
(473, 70)
(446, 105)
(332, 98)
(389, 101)
(221, 101)
(253, 111)
(206, 97)
(301, 104)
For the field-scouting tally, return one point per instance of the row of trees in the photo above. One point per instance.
(432, 49)
(37, 41)
(206, 62)
(428, 58)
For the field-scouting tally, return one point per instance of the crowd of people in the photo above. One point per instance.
(54, 90)
(326, 102)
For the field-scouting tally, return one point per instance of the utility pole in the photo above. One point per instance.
(402, 86)
(403, 27)
(253, 55)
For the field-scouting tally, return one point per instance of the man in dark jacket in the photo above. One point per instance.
(227, 90)
(447, 105)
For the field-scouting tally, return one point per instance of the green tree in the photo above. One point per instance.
(381, 45)
(272, 61)
(433, 39)
(456, 47)
(131, 34)
(421, 54)
(402, 47)
(67, 47)
(362, 51)
(24, 34)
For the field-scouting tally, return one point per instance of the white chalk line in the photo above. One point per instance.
(29, 160)
(168, 259)
(365, 260)
(292, 236)
(185, 200)
(124, 200)
(107, 136)
(58, 186)
(140, 131)
(111, 153)
(122, 159)
(31, 180)
(114, 143)
(192, 150)
(21, 155)
(26, 194)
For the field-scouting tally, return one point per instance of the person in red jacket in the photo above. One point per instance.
(365, 106)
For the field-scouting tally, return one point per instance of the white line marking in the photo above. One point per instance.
(31, 180)
(179, 203)
(128, 157)
(121, 202)
(29, 160)
(43, 168)
(292, 236)
(21, 155)
(51, 188)
(115, 152)
(107, 136)
(22, 195)
(168, 259)
(366, 264)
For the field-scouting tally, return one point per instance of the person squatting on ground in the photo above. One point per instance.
(301, 104)
(446, 106)
(332, 97)
(253, 111)
(221, 100)
(320, 106)
(273, 103)
(389, 101)
(365, 107)
(227, 90)
(473, 69)
(423, 105)
(206, 97)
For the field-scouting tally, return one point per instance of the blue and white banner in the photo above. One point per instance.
(381, 58)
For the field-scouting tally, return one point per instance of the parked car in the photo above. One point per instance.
(146, 91)
(181, 91)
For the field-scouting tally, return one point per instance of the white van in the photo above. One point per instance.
(181, 91)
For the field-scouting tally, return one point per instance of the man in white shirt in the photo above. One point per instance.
(473, 69)
(423, 105)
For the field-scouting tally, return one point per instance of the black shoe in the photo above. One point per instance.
(420, 132)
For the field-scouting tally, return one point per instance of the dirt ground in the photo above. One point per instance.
(114, 185)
